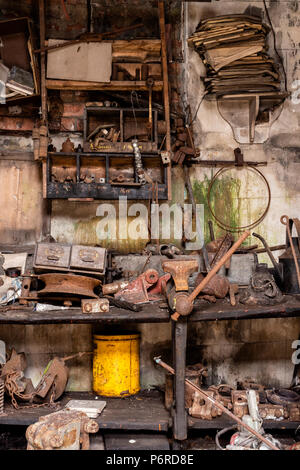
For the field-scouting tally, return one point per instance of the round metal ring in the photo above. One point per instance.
(245, 227)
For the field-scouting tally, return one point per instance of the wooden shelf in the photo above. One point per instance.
(224, 421)
(151, 313)
(222, 310)
(155, 312)
(143, 412)
(98, 86)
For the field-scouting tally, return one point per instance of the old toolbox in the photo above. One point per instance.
(76, 258)
(88, 258)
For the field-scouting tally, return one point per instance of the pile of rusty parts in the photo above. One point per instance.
(62, 430)
(21, 390)
(222, 269)
(66, 274)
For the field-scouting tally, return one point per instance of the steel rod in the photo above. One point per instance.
(219, 405)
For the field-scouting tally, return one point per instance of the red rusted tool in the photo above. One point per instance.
(159, 289)
(180, 270)
(137, 290)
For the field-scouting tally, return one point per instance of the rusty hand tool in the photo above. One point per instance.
(187, 304)
(218, 405)
(123, 304)
(285, 220)
(233, 289)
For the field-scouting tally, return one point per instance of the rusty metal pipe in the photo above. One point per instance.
(275, 264)
(218, 405)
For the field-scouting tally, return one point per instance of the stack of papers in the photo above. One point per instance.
(234, 51)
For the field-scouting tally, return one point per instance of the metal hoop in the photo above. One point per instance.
(228, 227)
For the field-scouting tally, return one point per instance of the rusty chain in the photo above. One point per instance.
(12, 389)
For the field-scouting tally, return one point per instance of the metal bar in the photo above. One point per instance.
(194, 207)
(164, 60)
(219, 405)
(180, 415)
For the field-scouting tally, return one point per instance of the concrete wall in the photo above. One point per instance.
(232, 349)
(258, 348)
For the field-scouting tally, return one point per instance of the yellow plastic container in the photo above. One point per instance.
(116, 365)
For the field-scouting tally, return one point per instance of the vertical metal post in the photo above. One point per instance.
(179, 332)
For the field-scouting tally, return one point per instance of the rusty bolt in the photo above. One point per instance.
(88, 308)
(91, 426)
(104, 307)
(56, 441)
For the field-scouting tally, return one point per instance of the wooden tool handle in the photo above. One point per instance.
(216, 268)
(285, 220)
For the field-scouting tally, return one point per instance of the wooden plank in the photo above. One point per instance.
(145, 412)
(136, 441)
(149, 314)
(224, 421)
(43, 60)
(222, 310)
(110, 86)
(164, 59)
(88, 61)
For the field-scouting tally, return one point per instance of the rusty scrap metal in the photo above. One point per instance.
(218, 286)
(63, 430)
(190, 299)
(50, 387)
(95, 305)
(114, 287)
(88, 37)
(180, 271)
(223, 246)
(275, 412)
(282, 396)
(136, 291)
(240, 402)
(158, 290)
(56, 283)
(123, 304)
(169, 250)
(223, 394)
(204, 408)
(233, 290)
(195, 373)
(1, 396)
(218, 405)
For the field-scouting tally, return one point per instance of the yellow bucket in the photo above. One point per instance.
(116, 365)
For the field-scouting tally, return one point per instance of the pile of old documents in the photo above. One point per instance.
(234, 51)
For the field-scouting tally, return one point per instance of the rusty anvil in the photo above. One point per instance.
(180, 271)
(181, 301)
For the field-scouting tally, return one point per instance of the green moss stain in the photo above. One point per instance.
(224, 199)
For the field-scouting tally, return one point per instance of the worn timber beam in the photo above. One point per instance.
(164, 60)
